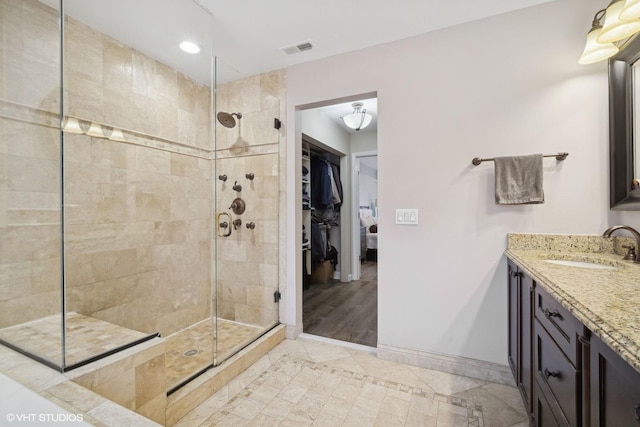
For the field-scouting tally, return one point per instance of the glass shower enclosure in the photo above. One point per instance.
(116, 225)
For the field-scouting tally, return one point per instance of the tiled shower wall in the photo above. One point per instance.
(137, 217)
(29, 162)
(248, 260)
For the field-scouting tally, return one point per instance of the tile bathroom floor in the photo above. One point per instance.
(308, 382)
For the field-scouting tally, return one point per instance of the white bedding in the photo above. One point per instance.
(372, 240)
(367, 220)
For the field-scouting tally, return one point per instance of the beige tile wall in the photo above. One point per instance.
(138, 215)
(248, 260)
(134, 379)
(29, 162)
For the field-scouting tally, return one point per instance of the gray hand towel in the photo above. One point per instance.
(519, 180)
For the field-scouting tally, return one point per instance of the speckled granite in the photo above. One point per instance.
(605, 301)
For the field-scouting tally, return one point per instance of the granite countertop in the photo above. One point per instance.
(607, 301)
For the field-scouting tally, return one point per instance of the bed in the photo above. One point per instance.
(370, 222)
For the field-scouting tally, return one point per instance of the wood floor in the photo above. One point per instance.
(344, 311)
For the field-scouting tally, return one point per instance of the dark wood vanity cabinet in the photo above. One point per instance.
(521, 288)
(615, 388)
(567, 376)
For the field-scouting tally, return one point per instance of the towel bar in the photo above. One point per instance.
(560, 156)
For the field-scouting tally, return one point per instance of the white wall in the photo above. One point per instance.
(317, 125)
(364, 141)
(368, 185)
(505, 85)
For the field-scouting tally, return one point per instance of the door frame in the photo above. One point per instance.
(355, 217)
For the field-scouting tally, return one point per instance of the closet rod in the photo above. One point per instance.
(560, 156)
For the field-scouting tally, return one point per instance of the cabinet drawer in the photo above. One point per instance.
(542, 411)
(563, 327)
(555, 373)
(615, 388)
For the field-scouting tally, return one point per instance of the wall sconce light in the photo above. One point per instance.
(631, 10)
(615, 27)
(359, 119)
(621, 21)
(594, 51)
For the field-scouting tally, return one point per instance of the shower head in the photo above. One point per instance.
(227, 120)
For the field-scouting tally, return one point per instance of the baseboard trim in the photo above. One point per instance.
(458, 365)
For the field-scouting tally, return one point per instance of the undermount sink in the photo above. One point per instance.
(581, 264)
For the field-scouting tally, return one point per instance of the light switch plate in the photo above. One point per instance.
(407, 216)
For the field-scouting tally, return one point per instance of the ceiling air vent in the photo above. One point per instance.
(297, 48)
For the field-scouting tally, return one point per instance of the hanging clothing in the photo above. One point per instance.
(319, 239)
(321, 191)
(334, 187)
(336, 177)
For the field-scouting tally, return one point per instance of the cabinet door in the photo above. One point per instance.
(615, 389)
(543, 415)
(527, 286)
(520, 309)
(514, 302)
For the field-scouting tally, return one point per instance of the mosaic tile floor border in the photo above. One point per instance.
(248, 407)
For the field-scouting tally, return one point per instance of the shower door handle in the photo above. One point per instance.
(222, 227)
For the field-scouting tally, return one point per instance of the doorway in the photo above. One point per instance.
(342, 305)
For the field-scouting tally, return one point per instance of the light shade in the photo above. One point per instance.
(359, 119)
(594, 51)
(615, 28)
(630, 10)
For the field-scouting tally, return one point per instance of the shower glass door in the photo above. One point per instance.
(247, 162)
(30, 163)
(138, 147)
(103, 114)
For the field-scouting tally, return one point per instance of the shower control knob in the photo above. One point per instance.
(237, 223)
(250, 176)
(251, 225)
(237, 187)
(222, 177)
(224, 224)
(238, 206)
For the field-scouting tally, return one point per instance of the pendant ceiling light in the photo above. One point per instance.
(630, 10)
(359, 119)
(594, 51)
(615, 28)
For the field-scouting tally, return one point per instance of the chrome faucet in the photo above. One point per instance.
(633, 231)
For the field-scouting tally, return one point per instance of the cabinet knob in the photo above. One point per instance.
(638, 412)
(516, 274)
(547, 373)
(548, 314)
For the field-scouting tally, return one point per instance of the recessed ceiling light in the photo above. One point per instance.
(189, 47)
